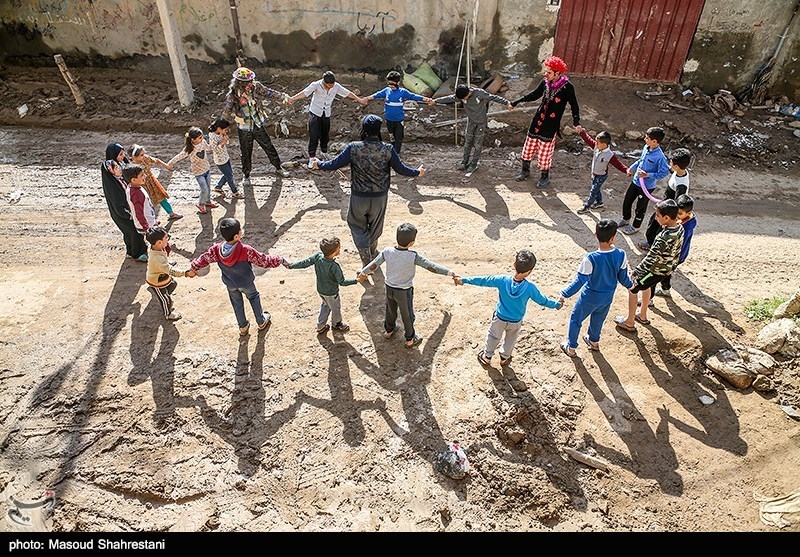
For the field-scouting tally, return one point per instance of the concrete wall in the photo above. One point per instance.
(733, 39)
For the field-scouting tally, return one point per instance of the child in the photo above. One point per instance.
(656, 265)
(322, 93)
(688, 221)
(160, 272)
(677, 185)
(158, 195)
(329, 278)
(236, 261)
(651, 166)
(597, 278)
(142, 210)
(601, 158)
(218, 140)
(196, 149)
(395, 96)
(514, 291)
(401, 264)
(476, 104)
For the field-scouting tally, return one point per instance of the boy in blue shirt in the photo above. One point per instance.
(395, 96)
(514, 293)
(597, 279)
(651, 166)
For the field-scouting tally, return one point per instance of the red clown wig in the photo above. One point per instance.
(556, 64)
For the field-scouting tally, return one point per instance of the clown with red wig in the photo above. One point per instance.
(556, 92)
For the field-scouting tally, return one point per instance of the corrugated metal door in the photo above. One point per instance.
(641, 39)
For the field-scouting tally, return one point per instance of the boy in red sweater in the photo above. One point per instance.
(236, 261)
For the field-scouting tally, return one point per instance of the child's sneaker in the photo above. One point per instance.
(629, 230)
(598, 205)
(219, 191)
(212, 204)
(142, 258)
(175, 216)
(324, 329)
(483, 359)
(341, 327)
(266, 322)
(174, 316)
(583, 210)
(237, 195)
(388, 334)
(461, 166)
(622, 224)
(244, 331)
(666, 292)
(202, 209)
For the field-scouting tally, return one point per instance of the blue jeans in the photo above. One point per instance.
(596, 309)
(205, 187)
(227, 176)
(596, 192)
(237, 294)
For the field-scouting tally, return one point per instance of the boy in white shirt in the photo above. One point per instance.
(322, 93)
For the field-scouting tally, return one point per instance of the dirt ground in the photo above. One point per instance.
(137, 424)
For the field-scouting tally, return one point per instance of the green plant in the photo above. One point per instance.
(763, 309)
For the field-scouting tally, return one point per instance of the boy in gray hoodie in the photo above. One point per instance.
(476, 104)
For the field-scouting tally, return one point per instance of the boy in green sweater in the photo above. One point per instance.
(329, 278)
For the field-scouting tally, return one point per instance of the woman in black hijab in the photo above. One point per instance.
(117, 200)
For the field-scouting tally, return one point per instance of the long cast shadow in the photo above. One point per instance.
(244, 425)
(651, 454)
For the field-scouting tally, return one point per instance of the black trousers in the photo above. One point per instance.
(134, 242)
(164, 296)
(634, 194)
(397, 131)
(319, 131)
(401, 299)
(260, 135)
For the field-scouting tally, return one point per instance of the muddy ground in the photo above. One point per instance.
(137, 424)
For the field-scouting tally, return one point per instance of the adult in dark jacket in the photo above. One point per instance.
(114, 192)
(556, 92)
(371, 161)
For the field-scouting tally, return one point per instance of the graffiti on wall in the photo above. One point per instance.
(366, 23)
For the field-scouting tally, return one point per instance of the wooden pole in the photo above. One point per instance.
(70, 80)
(458, 74)
(237, 34)
(176, 55)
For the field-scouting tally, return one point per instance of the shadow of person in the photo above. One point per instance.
(651, 455)
(244, 425)
(719, 423)
(120, 304)
(343, 403)
(538, 446)
(161, 368)
(406, 371)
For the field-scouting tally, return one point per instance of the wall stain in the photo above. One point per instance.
(362, 50)
(721, 55)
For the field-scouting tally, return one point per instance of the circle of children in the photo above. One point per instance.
(132, 191)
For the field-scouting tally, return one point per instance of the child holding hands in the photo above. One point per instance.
(329, 278)
(514, 291)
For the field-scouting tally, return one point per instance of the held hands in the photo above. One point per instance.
(422, 170)
(457, 280)
(642, 174)
(430, 101)
(578, 128)
(510, 106)
(560, 302)
(361, 278)
(191, 273)
(285, 263)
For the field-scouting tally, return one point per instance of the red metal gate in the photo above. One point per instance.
(640, 39)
